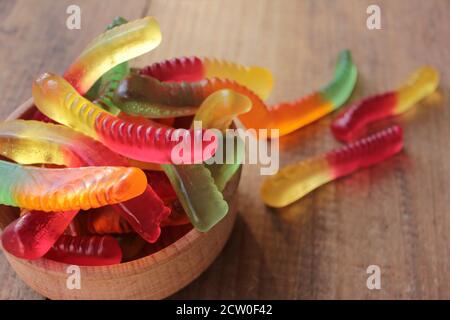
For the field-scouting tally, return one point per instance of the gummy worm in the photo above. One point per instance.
(294, 181)
(34, 233)
(286, 117)
(68, 189)
(354, 121)
(257, 79)
(111, 48)
(220, 108)
(108, 82)
(55, 98)
(34, 142)
(86, 250)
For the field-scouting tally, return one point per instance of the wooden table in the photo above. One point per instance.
(395, 215)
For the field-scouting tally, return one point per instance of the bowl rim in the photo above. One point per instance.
(162, 256)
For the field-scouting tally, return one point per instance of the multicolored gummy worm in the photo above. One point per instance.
(149, 97)
(295, 181)
(58, 100)
(68, 189)
(191, 69)
(116, 45)
(354, 121)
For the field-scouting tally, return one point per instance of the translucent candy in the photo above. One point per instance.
(59, 101)
(68, 189)
(155, 96)
(35, 232)
(202, 201)
(34, 142)
(220, 108)
(196, 188)
(257, 79)
(86, 250)
(294, 181)
(354, 121)
(111, 48)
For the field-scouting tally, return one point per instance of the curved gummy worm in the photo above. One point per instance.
(93, 92)
(34, 142)
(220, 108)
(68, 189)
(58, 100)
(286, 117)
(111, 48)
(294, 181)
(354, 121)
(86, 250)
(257, 79)
(218, 111)
(35, 232)
(108, 82)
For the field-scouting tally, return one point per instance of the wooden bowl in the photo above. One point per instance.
(153, 277)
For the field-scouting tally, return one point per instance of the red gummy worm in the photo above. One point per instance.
(353, 122)
(176, 70)
(86, 250)
(33, 234)
(365, 152)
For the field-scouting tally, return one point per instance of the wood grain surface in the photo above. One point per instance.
(395, 215)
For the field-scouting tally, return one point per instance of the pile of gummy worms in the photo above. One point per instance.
(92, 169)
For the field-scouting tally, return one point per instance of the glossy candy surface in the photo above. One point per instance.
(198, 194)
(257, 79)
(218, 111)
(143, 95)
(68, 189)
(34, 233)
(294, 181)
(220, 108)
(86, 250)
(58, 100)
(111, 48)
(102, 91)
(196, 188)
(354, 121)
(34, 142)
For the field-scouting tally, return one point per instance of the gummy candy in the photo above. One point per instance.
(257, 79)
(144, 95)
(34, 233)
(68, 189)
(86, 250)
(105, 220)
(196, 188)
(111, 48)
(353, 122)
(199, 196)
(58, 100)
(33, 142)
(220, 108)
(93, 92)
(294, 181)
